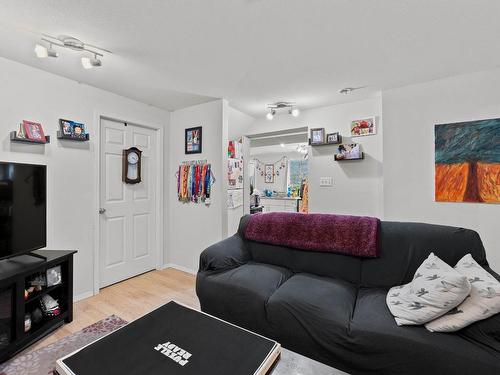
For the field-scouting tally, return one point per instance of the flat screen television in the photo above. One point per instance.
(23, 208)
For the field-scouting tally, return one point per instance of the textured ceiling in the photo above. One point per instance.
(173, 54)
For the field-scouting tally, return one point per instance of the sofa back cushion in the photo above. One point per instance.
(404, 246)
(318, 263)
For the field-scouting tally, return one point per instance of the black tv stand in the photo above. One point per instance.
(14, 279)
(37, 256)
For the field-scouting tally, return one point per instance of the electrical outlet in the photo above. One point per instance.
(326, 181)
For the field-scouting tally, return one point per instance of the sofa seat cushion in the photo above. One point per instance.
(312, 313)
(240, 295)
(382, 346)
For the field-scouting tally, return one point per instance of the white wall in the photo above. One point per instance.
(193, 227)
(410, 114)
(30, 94)
(239, 123)
(357, 185)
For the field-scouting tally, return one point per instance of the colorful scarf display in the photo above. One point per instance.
(194, 182)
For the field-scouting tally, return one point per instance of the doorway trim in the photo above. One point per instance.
(160, 248)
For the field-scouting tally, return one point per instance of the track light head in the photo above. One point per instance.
(89, 63)
(295, 112)
(42, 52)
(290, 106)
(270, 114)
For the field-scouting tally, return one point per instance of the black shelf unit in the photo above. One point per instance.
(361, 158)
(60, 135)
(15, 138)
(14, 275)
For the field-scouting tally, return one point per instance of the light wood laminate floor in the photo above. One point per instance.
(130, 300)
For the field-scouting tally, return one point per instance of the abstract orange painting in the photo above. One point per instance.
(467, 164)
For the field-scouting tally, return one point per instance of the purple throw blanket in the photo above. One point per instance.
(350, 235)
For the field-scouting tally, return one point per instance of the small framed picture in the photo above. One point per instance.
(317, 136)
(350, 151)
(54, 276)
(333, 138)
(269, 173)
(33, 131)
(78, 129)
(66, 127)
(193, 141)
(363, 127)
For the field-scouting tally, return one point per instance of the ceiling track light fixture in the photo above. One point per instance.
(291, 106)
(68, 42)
(349, 90)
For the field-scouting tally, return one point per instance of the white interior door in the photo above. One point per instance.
(128, 243)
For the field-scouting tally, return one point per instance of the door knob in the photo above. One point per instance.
(102, 210)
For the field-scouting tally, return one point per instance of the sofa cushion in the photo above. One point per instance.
(310, 311)
(386, 348)
(240, 294)
(404, 246)
(483, 302)
(435, 289)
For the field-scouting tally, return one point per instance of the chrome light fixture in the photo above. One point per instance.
(71, 43)
(291, 106)
(42, 52)
(89, 63)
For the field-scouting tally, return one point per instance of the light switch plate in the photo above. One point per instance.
(326, 181)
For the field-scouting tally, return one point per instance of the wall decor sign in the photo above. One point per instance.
(467, 161)
(317, 136)
(363, 127)
(131, 173)
(269, 173)
(193, 141)
(33, 131)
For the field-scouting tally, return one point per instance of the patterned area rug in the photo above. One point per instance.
(43, 361)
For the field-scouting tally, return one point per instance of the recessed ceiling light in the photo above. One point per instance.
(282, 145)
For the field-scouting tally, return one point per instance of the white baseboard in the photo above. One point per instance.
(84, 295)
(181, 268)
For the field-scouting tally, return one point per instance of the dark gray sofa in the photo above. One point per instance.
(332, 307)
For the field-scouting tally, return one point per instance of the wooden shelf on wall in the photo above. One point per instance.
(361, 158)
(15, 138)
(60, 135)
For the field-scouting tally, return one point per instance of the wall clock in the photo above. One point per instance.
(132, 165)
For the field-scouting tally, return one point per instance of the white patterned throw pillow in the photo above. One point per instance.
(435, 289)
(483, 301)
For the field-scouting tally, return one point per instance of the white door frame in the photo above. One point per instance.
(159, 250)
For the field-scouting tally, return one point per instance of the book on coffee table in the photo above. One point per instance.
(174, 340)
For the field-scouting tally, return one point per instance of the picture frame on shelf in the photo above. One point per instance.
(351, 151)
(333, 138)
(363, 127)
(34, 131)
(317, 136)
(72, 129)
(54, 276)
(193, 140)
(66, 128)
(269, 173)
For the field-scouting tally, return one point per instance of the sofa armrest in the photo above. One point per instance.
(493, 273)
(226, 254)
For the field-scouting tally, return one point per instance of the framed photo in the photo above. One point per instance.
(269, 173)
(349, 152)
(193, 141)
(363, 127)
(54, 276)
(33, 131)
(78, 129)
(66, 127)
(317, 136)
(333, 138)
